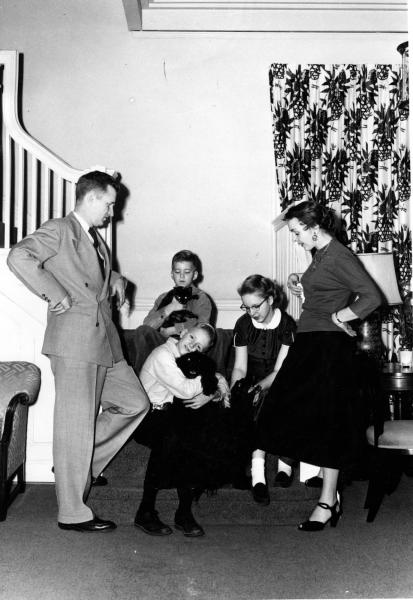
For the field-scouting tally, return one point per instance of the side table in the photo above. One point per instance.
(397, 385)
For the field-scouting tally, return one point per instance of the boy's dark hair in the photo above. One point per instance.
(188, 256)
(95, 180)
(258, 284)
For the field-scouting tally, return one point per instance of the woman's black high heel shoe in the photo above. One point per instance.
(336, 512)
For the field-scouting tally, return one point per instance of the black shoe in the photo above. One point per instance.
(187, 524)
(94, 524)
(336, 512)
(260, 494)
(314, 482)
(99, 481)
(282, 479)
(151, 524)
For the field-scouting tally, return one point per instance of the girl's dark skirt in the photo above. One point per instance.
(313, 410)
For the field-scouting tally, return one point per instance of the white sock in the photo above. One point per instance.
(282, 466)
(258, 470)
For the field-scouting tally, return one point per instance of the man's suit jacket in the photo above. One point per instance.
(57, 260)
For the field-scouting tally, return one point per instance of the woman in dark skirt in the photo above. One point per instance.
(311, 411)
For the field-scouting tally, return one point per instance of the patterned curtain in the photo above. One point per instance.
(341, 138)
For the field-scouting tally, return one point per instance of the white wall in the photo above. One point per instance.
(184, 117)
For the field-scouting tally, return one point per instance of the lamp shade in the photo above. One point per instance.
(380, 267)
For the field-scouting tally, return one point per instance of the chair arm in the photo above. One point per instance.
(7, 418)
(18, 378)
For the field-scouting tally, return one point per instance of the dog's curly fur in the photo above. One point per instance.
(194, 364)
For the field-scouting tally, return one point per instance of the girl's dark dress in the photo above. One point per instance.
(312, 411)
(263, 346)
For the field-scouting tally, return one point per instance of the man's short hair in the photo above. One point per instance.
(188, 256)
(95, 180)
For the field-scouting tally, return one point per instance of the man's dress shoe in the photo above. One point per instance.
(94, 524)
(151, 524)
(187, 524)
(260, 494)
(282, 479)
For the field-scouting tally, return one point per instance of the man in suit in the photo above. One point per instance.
(66, 263)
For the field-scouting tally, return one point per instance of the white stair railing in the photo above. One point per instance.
(36, 185)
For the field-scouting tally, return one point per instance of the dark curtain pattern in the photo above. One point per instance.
(341, 138)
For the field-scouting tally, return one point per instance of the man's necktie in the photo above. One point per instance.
(96, 247)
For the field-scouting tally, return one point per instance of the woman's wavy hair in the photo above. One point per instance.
(312, 214)
(265, 287)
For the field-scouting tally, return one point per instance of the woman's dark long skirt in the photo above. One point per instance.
(313, 411)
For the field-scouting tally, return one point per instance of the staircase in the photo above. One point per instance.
(35, 185)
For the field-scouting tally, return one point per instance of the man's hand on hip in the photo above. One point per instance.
(61, 306)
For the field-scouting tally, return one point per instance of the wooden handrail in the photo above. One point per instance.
(9, 59)
(37, 184)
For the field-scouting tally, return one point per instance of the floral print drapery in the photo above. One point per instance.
(341, 138)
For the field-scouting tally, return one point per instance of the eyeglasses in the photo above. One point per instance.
(253, 308)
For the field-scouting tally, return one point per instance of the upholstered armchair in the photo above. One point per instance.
(19, 388)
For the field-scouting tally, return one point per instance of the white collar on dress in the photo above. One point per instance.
(273, 324)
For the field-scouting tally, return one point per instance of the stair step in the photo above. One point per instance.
(120, 498)
(129, 466)
(226, 506)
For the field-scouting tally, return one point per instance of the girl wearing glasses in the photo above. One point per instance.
(262, 338)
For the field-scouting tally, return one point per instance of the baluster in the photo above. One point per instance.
(7, 189)
(32, 197)
(58, 201)
(45, 196)
(19, 197)
(71, 196)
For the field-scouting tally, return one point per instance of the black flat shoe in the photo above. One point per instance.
(336, 512)
(151, 524)
(93, 525)
(260, 494)
(283, 480)
(314, 482)
(187, 524)
(99, 481)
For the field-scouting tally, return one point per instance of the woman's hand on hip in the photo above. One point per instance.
(344, 326)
